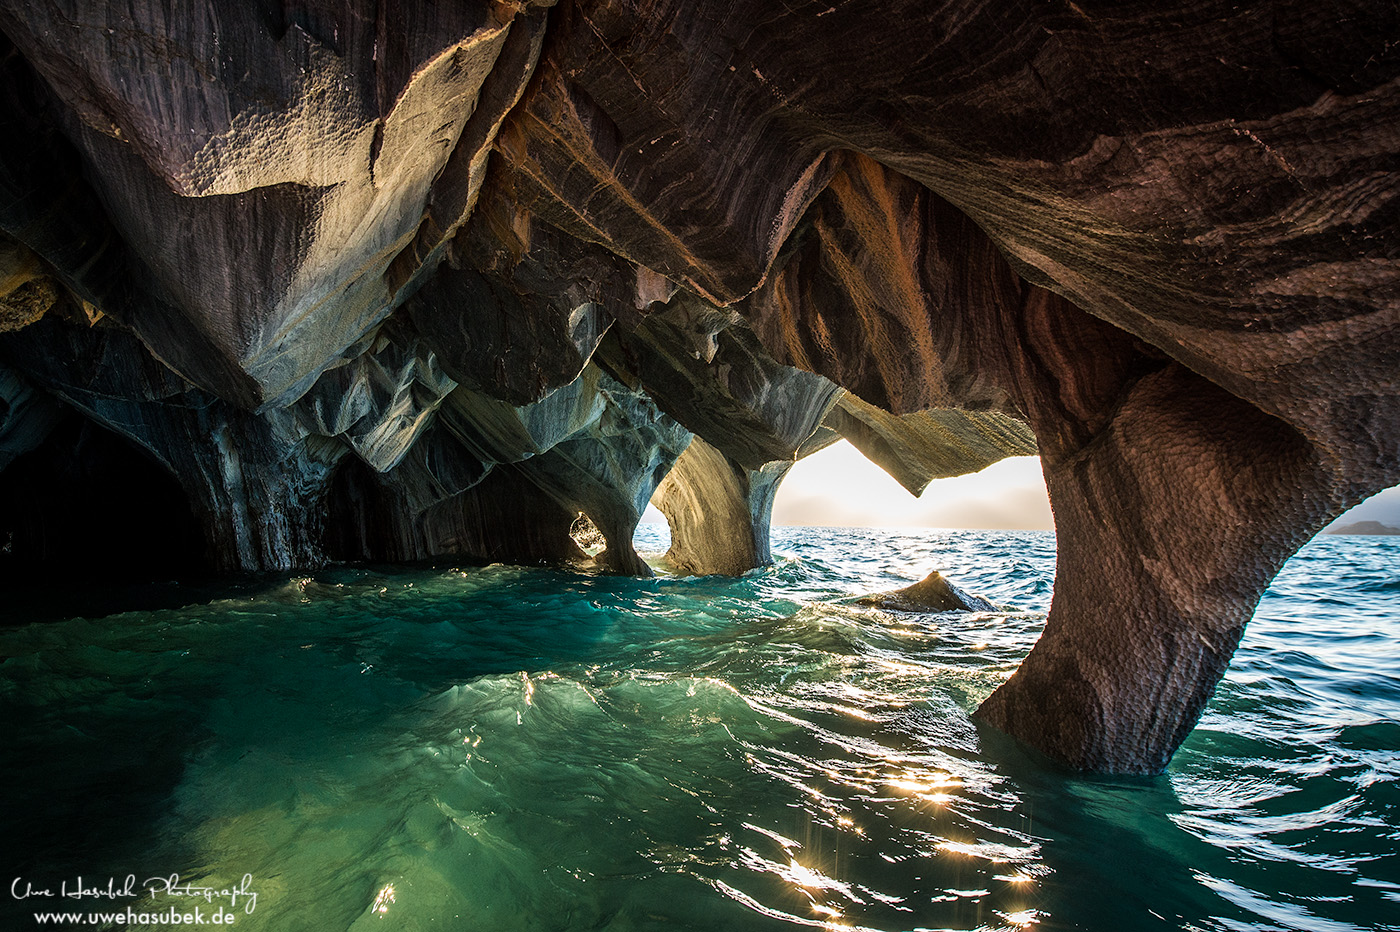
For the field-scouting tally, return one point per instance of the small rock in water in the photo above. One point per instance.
(933, 593)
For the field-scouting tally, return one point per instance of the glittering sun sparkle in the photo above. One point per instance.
(384, 900)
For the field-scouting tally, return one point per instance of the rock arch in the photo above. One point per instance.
(1161, 238)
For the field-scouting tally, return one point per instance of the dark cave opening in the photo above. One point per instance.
(503, 518)
(90, 504)
(363, 523)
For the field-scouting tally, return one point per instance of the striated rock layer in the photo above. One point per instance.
(391, 281)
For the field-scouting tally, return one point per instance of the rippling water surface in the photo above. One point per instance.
(525, 749)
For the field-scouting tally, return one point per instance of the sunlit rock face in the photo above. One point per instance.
(385, 282)
(292, 149)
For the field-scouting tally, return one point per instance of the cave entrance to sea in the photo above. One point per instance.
(839, 486)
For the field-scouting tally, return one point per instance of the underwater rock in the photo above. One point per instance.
(933, 593)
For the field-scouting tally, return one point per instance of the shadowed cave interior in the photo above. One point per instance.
(91, 502)
(323, 284)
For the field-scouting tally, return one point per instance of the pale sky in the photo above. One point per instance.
(840, 487)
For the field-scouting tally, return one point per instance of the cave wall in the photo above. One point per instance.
(394, 281)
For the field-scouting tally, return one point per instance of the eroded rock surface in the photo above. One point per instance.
(933, 593)
(393, 281)
(718, 511)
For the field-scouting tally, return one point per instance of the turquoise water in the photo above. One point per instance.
(526, 749)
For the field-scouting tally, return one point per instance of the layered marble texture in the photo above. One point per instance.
(392, 281)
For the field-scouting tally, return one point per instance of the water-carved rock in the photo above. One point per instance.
(394, 281)
(933, 593)
(718, 511)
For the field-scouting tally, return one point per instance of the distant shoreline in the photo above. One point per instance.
(1365, 528)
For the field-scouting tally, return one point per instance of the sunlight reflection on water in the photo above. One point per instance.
(513, 748)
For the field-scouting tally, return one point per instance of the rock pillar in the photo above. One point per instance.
(1170, 525)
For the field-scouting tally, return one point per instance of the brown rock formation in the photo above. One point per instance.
(390, 280)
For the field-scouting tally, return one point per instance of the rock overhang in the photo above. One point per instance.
(408, 282)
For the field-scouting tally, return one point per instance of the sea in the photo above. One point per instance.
(502, 749)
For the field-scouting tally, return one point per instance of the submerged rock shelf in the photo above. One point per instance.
(359, 282)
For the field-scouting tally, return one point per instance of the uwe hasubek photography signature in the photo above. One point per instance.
(111, 889)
